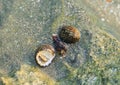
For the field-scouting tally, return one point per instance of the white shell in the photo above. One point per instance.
(45, 56)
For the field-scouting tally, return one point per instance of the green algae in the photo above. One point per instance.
(28, 75)
(102, 68)
(104, 46)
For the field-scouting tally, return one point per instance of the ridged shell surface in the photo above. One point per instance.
(69, 34)
(45, 54)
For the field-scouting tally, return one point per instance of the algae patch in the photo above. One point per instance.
(28, 75)
(102, 68)
(105, 50)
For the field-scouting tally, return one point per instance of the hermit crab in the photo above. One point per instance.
(45, 54)
(60, 47)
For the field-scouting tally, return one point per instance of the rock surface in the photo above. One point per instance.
(25, 24)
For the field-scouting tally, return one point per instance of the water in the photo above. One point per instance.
(24, 25)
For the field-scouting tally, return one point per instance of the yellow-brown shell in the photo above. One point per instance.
(45, 54)
(69, 34)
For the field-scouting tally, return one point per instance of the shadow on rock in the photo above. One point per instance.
(85, 42)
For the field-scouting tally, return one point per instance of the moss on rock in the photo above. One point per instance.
(102, 68)
(28, 75)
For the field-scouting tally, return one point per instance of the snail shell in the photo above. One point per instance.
(69, 34)
(45, 54)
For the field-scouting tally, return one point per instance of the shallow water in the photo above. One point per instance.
(24, 25)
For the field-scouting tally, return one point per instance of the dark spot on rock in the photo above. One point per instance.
(13, 67)
(1, 82)
(6, 57)
(1, 19)
(0, 43)
(85, 42)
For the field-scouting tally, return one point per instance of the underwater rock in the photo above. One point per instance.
(59, 46)
(69, 34)
(45, 54)
(28, 75)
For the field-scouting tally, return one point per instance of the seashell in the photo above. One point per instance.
(45, 54)
(69, 34)
(59, 46)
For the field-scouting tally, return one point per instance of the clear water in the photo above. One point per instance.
(26, 24)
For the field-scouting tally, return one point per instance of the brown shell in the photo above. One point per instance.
(45, 54)
(69, 34)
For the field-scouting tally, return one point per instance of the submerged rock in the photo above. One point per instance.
(28, 75)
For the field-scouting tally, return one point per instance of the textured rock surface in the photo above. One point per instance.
(25, 24)
(28, 75)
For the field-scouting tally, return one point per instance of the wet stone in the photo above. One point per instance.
(0, 43)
